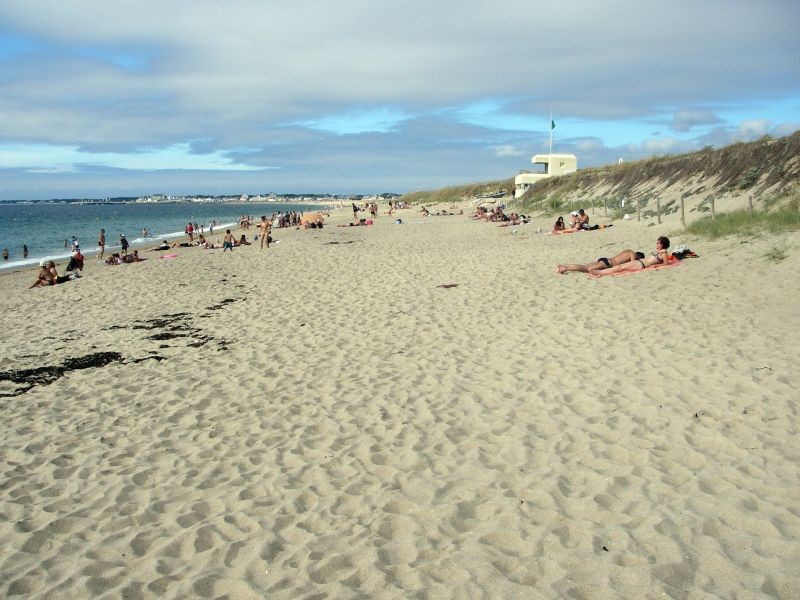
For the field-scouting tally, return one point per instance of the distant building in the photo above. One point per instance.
(554, 165)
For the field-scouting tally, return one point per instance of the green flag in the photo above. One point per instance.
(552, 124)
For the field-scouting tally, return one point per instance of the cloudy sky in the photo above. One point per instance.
(362, 96)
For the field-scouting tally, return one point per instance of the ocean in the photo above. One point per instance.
(45, 227)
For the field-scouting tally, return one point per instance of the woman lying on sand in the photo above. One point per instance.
(623, 257)
(659, 257)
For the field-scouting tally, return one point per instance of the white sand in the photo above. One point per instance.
(350, 429)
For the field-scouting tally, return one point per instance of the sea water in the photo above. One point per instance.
(47, 228)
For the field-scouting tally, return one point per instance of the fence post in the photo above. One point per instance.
(638, 210)
(713, 212)
(750, 202)
(683, 214)
(605, 206)
(658, 209)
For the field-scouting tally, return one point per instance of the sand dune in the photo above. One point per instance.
(324, 420)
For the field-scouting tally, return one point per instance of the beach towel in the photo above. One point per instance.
(168, 256)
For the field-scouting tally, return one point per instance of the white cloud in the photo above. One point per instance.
(684, 120)
(785, 129)
(508, 151)
(47, 158)
(753, 129)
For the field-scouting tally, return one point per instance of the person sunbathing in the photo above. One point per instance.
(623, 257)
(46, 275)
(514, 219)
(659, 257)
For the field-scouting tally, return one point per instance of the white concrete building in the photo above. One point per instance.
(554, 165)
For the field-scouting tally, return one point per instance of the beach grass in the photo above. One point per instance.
(785, 216)
(458, 193)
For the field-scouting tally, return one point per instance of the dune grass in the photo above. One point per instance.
(459, 193)
(784, 217)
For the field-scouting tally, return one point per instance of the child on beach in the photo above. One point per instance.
(227, 242)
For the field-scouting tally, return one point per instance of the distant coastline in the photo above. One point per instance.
(315, 199)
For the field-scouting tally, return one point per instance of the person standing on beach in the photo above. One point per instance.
(227, 242)
(101, 241)
(24, 251)
(265, 227)
(124, 243)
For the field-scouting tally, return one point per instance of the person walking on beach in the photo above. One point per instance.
(101, 241)
(24, 251)
(265, 227)
(124, 242)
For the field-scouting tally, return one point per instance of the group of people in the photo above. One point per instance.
(498, 215)
(120, 259)
(579, 221)
(371, 207)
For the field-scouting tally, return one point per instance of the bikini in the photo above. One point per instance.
(655, 255)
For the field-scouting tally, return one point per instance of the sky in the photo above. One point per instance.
(129, 98)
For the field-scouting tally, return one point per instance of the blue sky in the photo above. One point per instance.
(367, 96)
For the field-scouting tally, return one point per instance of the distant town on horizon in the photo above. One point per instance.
(207, 198)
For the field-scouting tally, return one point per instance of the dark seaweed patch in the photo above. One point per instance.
(29, 378)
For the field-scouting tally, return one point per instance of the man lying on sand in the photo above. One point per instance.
(659, 257)
(623, 257)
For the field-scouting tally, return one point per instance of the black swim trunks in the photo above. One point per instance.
(605, 262)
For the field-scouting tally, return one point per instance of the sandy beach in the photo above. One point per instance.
(330, 418)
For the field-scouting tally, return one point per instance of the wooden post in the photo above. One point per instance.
(683, 214)
(750, 202)
(638, 210)
(713, 212)
(658, 209)
(605, 206)
(592, 204)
